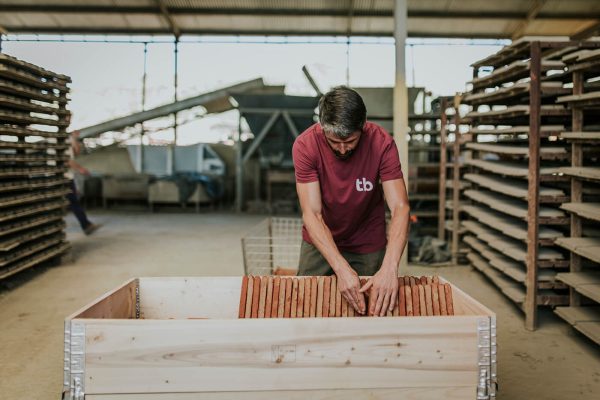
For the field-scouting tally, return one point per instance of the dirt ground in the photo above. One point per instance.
(554, 362)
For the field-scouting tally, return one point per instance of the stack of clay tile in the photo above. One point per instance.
(318, 296)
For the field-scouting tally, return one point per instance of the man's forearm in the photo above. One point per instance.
(397, 237)
(323, 240)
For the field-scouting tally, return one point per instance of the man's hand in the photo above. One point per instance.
(383, 288)
(84, 171)
(349, 286)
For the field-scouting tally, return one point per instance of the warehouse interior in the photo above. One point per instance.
(185, 187)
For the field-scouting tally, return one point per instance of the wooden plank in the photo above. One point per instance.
(547, 152)
(591, 173)
(585, 210)
(159, 360)
(448, 393)
(513, 187)
(512, 169)
(574, 315)
(118, 303)
(586, 247)
(243, 296)
(442, 173)
(585, 136)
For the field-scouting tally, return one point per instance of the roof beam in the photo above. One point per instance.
(174, 11)
(588, 32)
(167, 16)
(534, 10)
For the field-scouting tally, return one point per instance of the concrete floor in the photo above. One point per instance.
(554, 362)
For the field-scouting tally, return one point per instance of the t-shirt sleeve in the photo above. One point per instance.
(305, 166)
(389, 168)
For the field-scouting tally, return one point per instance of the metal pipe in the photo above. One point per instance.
(175, 84)
(144, 78)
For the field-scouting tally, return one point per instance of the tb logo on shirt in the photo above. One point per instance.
(363, 185)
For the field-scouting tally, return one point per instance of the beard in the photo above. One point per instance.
(341, 156)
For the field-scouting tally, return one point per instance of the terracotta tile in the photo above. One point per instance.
(401, 298)
(282, 294)
(294, 300)
(320, 293)
(288, 298)
(243, 293)
(255, 296)
(428, 300)
(275, 303)
(415, 298)
(435, 299)
(307, 292)
(344, 306)
(429, 280)
(409, 302)
(326, 295)
(262, 301)
(422, 305)
(249, 297)
(300, 306)
(314, 288)
(449, 301)
(269, 301)
(332, 295)
(442, 295)
(423, 280)
(436, 279)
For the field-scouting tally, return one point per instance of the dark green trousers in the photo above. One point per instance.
(312, 262)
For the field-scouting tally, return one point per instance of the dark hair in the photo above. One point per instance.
(342, 111)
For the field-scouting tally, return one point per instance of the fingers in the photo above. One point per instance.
(386, 304)
(361, 302)
(367, 286)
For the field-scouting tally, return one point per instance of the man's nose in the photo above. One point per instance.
(343, 148)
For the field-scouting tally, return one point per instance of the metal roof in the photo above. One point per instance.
(426, 18)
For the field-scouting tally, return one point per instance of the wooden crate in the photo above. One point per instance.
(180, 338)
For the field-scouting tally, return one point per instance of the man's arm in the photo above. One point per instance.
(75, 166)
(309, 195)
(384, 284)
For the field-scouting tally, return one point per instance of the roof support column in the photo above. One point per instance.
(401, 95)
(171, 167)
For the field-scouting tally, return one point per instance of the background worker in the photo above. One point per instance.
(339, 164)
(86, 225)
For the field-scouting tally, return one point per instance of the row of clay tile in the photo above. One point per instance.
(318, 296)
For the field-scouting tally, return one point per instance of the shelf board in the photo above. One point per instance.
(585, 210)
(580, 136)
(586, 283)
(591, 173)
(585, 319)
(584, 246)
(545, 130)
(512, 169)
(546, 153)
(516, 188)
(514, 207)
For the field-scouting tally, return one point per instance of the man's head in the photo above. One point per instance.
(342, 114)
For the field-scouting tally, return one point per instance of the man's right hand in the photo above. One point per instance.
(349, 286)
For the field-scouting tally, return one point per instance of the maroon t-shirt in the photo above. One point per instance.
(351, 193)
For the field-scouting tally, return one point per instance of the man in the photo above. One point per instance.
(87, 226)
(339, 163)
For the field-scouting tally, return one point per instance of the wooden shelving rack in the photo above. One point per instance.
(452, 156)
(423, 155)
(514, 215)
(33, 159)
(583, 241)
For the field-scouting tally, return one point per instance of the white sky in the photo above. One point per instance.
(107, 77)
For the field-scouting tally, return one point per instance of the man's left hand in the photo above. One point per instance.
(383, 293)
